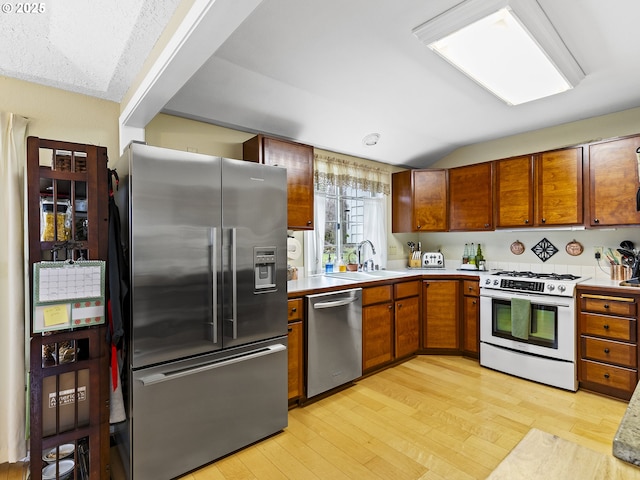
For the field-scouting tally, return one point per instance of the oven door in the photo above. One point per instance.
(552, 328)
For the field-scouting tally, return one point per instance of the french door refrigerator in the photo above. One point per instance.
(206, 347)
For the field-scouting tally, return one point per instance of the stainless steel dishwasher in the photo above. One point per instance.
(334, 340)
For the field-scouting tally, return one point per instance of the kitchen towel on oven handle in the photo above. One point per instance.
(520, 318)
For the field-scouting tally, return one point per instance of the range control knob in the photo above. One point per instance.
(496, 282)
(487, 281)
(561, 288)
(551, 288)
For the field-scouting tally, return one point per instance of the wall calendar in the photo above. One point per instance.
(68, 295)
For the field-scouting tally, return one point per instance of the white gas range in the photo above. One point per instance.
(528, 326)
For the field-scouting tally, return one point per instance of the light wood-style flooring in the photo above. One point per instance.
(432, 417)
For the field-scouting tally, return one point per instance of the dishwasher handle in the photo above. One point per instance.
(335, 303)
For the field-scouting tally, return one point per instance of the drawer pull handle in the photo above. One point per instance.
(473, 303)
(606, 375)
(606, 350)
(290, 329)
(294, 310)
(606, 305)
(605, 326)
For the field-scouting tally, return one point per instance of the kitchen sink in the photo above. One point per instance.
(632, 282)
(364, 276)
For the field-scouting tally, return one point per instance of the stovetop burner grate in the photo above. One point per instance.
(543, 276)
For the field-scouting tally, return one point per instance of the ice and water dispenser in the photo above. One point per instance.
(264, 265)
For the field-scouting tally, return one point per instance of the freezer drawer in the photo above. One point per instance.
(186, 414)
(334, 341)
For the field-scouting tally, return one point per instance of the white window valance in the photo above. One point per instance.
(332, 171)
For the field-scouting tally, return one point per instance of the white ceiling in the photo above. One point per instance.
(329, 72)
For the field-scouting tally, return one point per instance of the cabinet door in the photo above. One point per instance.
(298, 160)
(470, 197)
(514, 192)
(377, 345)
(613, 178)
(441, 314)
(559, 187)
(430, 200)
(471, 316)
(295, 359)
(407, 321)
(402, 202)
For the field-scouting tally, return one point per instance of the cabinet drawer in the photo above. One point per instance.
(615, 377)
(471, 287)
(294, 309)
(380, 294)
(407, 289)
(624, 354)
(609, 327)
(624, 306)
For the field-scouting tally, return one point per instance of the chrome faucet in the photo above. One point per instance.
(365, 265)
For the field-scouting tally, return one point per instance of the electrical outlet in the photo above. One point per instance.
(598, 252)
(393, 249)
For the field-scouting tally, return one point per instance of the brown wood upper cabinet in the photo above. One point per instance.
(539, 190)
(471, 197)
(613, 180)
(298, 160)
(419, 201)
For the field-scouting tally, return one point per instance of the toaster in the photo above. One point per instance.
(432, 260)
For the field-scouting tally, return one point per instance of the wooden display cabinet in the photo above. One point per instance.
(69, 382)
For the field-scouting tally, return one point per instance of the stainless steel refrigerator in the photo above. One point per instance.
(206, 349)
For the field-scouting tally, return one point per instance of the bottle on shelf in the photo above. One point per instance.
(472, 254)
(465, 255)
(328, 268)
(480, 259)
(342, 267)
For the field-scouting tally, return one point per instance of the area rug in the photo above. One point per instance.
(541, 455)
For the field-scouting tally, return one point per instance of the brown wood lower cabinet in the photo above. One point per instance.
(608, 349)
(471, 317)
(296, 348)
(377, 326)
(390, 323)
(407, 318)
(441, 314)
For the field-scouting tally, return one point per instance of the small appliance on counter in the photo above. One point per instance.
(432, 260)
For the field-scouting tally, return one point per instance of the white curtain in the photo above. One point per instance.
(314, 240)
(12, 287)
(375, 228)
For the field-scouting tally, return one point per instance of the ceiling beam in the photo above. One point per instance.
(206, 26)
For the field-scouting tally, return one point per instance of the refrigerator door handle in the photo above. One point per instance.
(163, 377)
(234, 284)
(214, 289)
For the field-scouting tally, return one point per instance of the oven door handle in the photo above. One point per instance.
(532, 298)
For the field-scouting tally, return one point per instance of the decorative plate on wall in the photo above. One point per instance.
(517, 247)
(574, 248)
(544, 249)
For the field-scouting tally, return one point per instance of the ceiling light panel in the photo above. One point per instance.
(507, 46)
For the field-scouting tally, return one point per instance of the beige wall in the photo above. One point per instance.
(618, 124)
(59, 115)
(192, 136)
